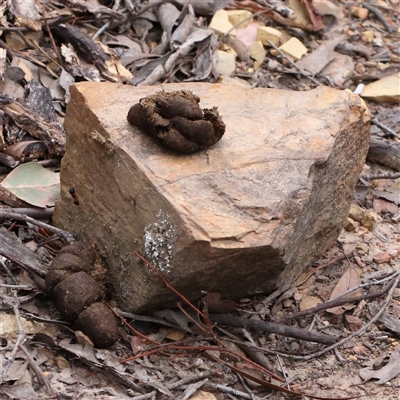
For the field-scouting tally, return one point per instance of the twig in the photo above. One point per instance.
(301, 71)
(340, 300)
(379, 16)
(41, 377)
(21, 217)
(14, 303)
(392, 287)
(227, 389)
(241, 22)
(304, 278)
(389, 175)
(271, 327)
(33, 212)
(248, 390)
(8, 272)
(269, 299)
(155, 320)
(145, 396)
(385, 128)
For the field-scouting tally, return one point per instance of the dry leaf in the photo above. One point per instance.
(349, 279)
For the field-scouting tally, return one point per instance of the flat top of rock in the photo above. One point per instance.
(272, 139)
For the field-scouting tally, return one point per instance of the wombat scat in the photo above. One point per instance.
(176, 119)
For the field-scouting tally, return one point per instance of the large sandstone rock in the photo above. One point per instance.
(239, 218)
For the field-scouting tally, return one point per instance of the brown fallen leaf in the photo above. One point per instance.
(349, 279)
(384, 374)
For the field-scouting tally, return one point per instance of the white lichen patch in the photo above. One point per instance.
(159, 238)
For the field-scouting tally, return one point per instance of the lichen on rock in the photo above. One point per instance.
(159, 238)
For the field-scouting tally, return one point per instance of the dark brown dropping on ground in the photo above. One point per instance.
(176, 119)
(73, 280)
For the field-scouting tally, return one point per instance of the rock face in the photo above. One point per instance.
(240, 218)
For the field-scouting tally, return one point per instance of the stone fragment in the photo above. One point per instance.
(359, 12)
(381, 206)
(248, 35)
(360, 68)
(351, 225)
(369, 221)
(352, 322)
(257, 52)
(236, 16)
(381, 258)
(83, 339)
(226, 63)
(309, 302)
(240, 218)
(265, 33)
(203, 395)
(294, 49)
(356, 212)
(386, 89)
(367, 36)
(220, 23)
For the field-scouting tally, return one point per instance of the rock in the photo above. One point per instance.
(351, 225)
(359, 12)
(236, 16)
(386, 89)
(265, 33)
(367, 36)
(97, 321)
(294, 49)
(356, 212)
(248, 35)
(220, 23)
(239, 218)
(226, 63)
(369, 221)
(352, 322)
(257, 52)
(202, 395)
(382, 206)
(381, 258)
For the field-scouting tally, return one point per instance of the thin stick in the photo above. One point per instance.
(389, 175)
(340, 300)
(365, 327)
(302, 72)
(379, 16)
(21, 217)
(385, 128)
(41, 377)
(14, 303)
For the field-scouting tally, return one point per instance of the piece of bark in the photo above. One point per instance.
(15, 251)
(270, 327)
(50, 132)
(385, 152)
(242, 217)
